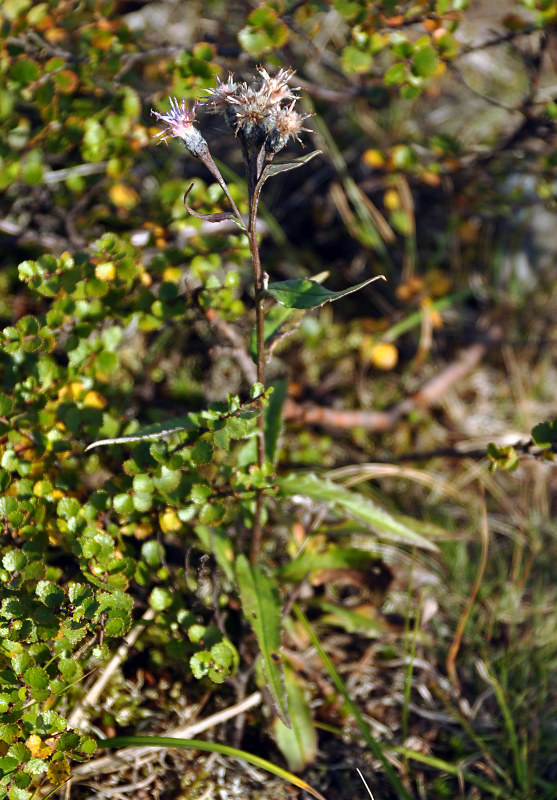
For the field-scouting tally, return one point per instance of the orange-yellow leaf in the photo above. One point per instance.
(384, 355)
(123, 196)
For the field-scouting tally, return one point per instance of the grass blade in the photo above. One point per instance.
(211, 747)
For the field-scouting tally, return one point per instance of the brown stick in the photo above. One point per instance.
(380, 421)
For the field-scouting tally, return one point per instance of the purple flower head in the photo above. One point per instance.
(179, 124)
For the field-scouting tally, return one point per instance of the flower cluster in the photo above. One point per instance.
(261, 113)
(258, 111)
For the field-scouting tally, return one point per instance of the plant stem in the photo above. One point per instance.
(254, 187)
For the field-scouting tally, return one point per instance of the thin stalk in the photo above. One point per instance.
(255, 186)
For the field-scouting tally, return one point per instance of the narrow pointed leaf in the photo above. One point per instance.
(211, 747)
(262, 608)
(220, 216)
(273, 419)
(363, 725)
(286, 166)
(298, 744)
(353, 505)
(305, 293)
(156, 431)
(276, 317)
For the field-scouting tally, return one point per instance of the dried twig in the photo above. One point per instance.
(380, 421)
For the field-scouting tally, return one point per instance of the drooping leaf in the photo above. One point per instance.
(262, 608)
(221, 216)
(305, 293)
(353, 505)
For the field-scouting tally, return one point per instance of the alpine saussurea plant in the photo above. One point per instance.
(82, 553)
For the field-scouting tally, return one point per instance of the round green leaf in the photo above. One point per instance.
(425, 61)
(36, 678)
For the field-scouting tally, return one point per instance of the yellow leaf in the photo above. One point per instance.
(384, 356)
(123, 196)
(58, 771)
(71, 391)
(373, 158)
(169, 521)
(94, 400)
(172, 274)
(391, 200)
(37, 747)
(106, 271)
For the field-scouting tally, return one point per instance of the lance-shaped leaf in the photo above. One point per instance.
(298, 744)
(220, 216)
(157, 431)
(286, 166)
(275, 317)
(353, 505)
(305, 293)
(262, 609)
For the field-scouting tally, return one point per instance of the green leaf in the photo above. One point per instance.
(502, 457)
(167, 479)
(200, 493)
(50, 594)
(201, 452)
(14, 560)
(160, 598)
(545, 433)
(272, 416)
(286, 166)
(68, 507)
(200, 663)
(353, 505)
(216, 541)
(36, 766)
(305, 293)
(298, 744)
(263, 610)
(395, 74)
(157, 431)
(6, 405)
(36, 678)
(351, 621)
(334, 557)
(425, 61)
(143, 483)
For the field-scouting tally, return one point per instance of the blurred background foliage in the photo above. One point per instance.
(437, 122)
